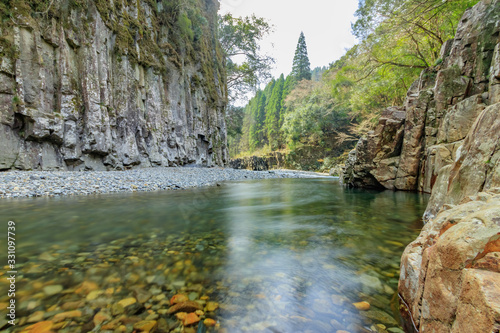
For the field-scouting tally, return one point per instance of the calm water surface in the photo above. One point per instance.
(287, 255)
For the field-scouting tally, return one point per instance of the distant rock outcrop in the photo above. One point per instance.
(95, 84)
(446, 141)
(274, 160)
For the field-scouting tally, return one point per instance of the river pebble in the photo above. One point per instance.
(17, 184)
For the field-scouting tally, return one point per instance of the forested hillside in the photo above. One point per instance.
(397, 40)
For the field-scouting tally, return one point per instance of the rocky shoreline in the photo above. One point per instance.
(445, 141)
(18, 184)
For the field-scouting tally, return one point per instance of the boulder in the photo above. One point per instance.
(440, 267)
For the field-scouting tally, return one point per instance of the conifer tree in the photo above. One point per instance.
(261, 118)
(301, 66)
(273, 113)
(288, 86)
(252, 111)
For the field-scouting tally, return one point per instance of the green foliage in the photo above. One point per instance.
(317, 73)
(407, 33)
(246, 65)
(272, 111)
(234, 124)
(397, 39)
(185, 26)
(301, 69)
(314, 115)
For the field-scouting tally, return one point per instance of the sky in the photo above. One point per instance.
(326, 25)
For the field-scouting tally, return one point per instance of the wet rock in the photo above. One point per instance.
(94, 295)
(127, 302)
(41, 327)
(181, 315)
(67, 315)
(457, 238)
(128, 305)
(370, 283)
(142, 295)
(163, 326)
(86, 287)
(188, 306)
(179, 298)
(362, 306)
(101, 317)
(52, 290)
(190, 319)
(117, 309)
(395, 330)
(46, 257)
(211, 306)
(193, 296)
(36, 317)
(209, 322)
(146, 326)
(381, 317)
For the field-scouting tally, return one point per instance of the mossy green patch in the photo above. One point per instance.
(149, 33)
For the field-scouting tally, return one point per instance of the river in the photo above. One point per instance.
(278, 255)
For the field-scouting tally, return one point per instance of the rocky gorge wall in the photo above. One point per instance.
(445, 141)
(94, 84)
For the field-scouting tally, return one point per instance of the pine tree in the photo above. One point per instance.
(273, 113)
(288, 86)
(252, 111)
(301, 66)
(261, 118)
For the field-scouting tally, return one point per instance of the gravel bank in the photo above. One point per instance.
(17, 184)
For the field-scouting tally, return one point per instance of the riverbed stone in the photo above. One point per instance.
(52, 290)
(67, 315)
(146, 326)
(187, 306)
(362, 306)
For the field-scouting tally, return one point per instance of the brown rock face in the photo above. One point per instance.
(450, 275)
(375, 161)
(411, 146)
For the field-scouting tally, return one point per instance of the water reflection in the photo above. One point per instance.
(276, 255)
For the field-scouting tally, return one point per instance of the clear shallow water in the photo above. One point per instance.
(287, 255)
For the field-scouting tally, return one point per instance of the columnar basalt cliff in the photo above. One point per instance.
(94, 84)
(446, 141)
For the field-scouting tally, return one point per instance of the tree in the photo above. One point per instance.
(317, 72)
(314, 117)
(234, 123)
(246, 65)
(273, 113)
(301, 66)
(407, 33)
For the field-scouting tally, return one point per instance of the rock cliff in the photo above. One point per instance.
(95, 84)
(445, 140)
